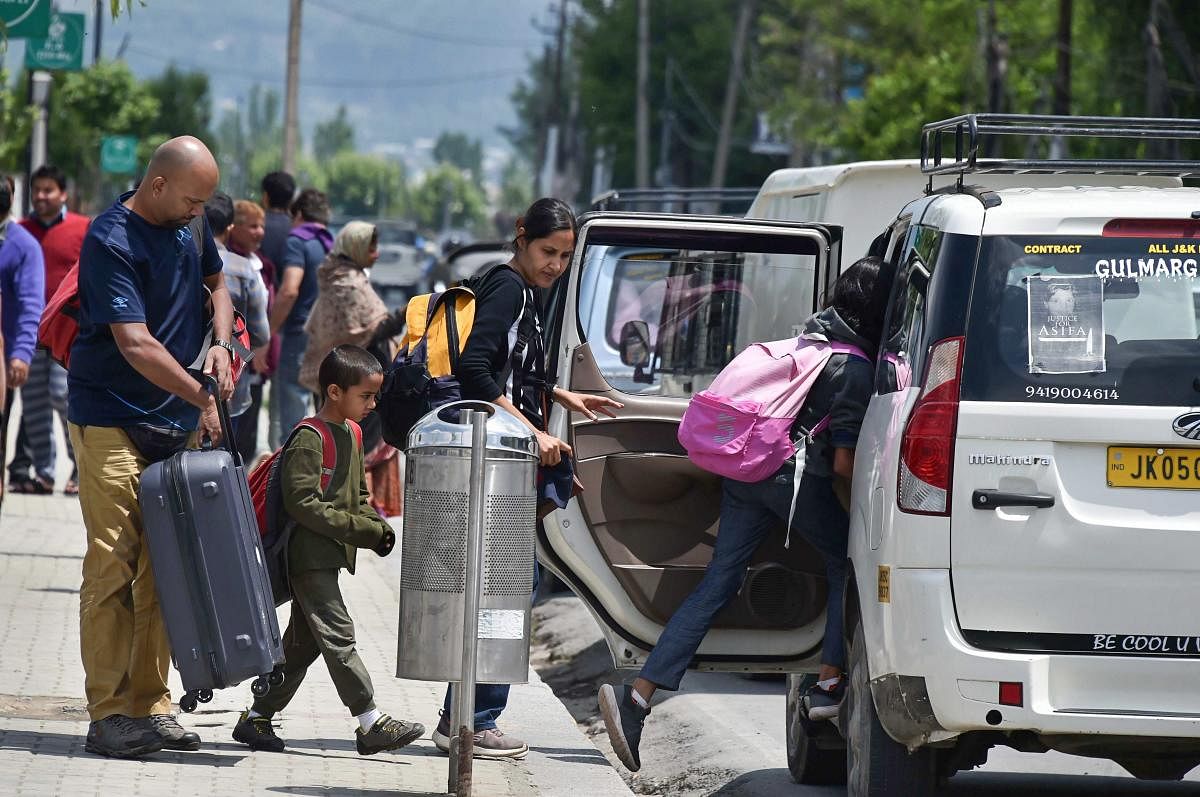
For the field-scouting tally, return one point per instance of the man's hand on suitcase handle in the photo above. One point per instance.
(386, 543)
(210, 419)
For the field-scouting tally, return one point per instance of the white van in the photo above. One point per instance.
(1024, 554)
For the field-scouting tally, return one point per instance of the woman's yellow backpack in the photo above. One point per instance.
(422, 376)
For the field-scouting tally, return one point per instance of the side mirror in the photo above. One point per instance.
(635, 344)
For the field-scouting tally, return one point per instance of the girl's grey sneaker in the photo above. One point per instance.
(623, 718)
(174, 736)
(257, 733)
(118, 736)
(825, 704)
(387, 734)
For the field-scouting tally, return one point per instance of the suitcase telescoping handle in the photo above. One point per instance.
(210, 384)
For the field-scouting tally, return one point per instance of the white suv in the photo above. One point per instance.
(1025, 533)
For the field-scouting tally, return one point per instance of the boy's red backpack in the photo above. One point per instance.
(274, 526)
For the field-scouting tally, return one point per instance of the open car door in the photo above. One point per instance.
(651, 310)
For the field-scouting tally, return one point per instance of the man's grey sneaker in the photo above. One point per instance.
(824, 704)
(118, 736)
(623, 718)
(490, 743)
(257, 733)
(387, 734)
(173, 734)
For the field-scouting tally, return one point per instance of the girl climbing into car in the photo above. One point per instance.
(749, 510)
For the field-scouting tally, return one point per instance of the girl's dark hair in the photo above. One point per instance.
(860, 297)
(545, 217)
(346, 366)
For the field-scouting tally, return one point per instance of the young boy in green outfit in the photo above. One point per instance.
(329, 526)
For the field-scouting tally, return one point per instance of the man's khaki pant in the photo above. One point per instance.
(121, 633)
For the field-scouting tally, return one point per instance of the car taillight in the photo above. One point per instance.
(927, 448)
(1152, 228)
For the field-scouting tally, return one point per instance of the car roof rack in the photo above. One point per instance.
(681, 200)
(953, 146)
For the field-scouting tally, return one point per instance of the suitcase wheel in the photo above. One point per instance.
(187, 703)
(276, 677)
(260, 686)
(204, 695)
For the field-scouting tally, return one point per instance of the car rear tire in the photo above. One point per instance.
(815, 753)
(876, 764)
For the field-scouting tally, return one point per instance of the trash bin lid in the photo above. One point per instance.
(442, 429)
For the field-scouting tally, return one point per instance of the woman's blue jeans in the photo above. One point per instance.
(490, 699)
(748, 513)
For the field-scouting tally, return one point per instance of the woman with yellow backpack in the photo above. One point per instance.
(503, 361)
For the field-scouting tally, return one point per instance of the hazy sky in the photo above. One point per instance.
(406, 69)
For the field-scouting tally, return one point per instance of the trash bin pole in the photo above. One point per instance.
(461, 765)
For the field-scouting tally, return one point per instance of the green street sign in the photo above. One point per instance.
(118, 154)
(25, 19)
(63, 46)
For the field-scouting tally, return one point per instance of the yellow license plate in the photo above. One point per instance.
(1164, 468)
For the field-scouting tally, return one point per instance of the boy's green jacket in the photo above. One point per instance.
(327, 531)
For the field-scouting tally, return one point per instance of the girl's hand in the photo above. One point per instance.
(587, 404)
(550, 448)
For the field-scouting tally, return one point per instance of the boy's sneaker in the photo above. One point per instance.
(257, 733)
(173, 734)
(387, 734)
(490, 743)
(824, 703)
(118, 736)
(623, 719)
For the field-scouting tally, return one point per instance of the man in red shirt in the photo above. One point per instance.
(60, 233)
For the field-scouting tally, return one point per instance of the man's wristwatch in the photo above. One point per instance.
(224, 344)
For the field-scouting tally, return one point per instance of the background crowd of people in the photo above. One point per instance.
(301, 290)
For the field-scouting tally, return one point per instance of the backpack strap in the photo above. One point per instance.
(328, 448)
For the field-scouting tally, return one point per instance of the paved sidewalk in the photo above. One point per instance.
(43, 721)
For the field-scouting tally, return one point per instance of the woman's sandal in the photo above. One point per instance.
(71, 488)
(28, 486)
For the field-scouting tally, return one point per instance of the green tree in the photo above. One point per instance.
(459, 149)
(446, 198)
(16, 124)
(101, 100)
(516, 187)
(364, 185)
(185, 104)
(333, 136)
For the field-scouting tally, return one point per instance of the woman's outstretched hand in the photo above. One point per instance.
(587, 403)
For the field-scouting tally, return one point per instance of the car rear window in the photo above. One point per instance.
(1084, 320)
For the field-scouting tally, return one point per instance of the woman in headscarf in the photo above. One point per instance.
(348, 310)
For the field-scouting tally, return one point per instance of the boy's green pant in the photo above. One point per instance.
(320, 626)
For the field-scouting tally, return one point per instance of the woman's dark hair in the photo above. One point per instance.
(545, 217)
(311, 205)
(346, 366)
(860, 297)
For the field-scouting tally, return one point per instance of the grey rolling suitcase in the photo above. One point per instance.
(210, 571)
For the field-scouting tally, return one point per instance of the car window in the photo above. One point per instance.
(700, 306)
(903, 349)
(1107, 320)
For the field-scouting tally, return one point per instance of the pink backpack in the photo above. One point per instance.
(740, 428)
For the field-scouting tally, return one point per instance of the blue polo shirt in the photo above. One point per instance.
(133, 271)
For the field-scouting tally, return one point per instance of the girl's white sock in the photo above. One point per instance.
(367, 719)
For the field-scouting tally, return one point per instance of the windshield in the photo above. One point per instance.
(1084, 320)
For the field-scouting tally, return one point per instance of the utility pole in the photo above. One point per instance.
(997, 72)
(98, 23)
(1157, 99)
(1062, 76)
(291, 100)
(732, 84)
(554, 126)
(642, 158)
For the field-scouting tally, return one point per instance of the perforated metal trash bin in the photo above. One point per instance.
(433, 557)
